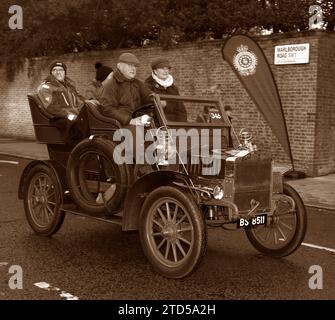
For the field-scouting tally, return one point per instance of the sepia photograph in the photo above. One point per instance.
(167, 156)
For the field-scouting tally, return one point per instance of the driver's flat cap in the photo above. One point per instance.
(129, 58)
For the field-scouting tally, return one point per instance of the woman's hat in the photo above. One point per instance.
(102, 71)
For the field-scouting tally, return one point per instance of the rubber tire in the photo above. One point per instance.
(200, 232)
(58, 218)
(106, 148)
(300, 231)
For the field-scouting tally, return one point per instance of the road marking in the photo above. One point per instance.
(48, 287)
(2, 264)
(317, 247)
(8, 161)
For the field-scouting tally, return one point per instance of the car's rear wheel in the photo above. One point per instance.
(43, 200)
(172, 232)
(285, 230)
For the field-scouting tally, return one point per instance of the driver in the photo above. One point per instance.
(123, 93)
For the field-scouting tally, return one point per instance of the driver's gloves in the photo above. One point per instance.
(141, 121)
(72, 116)
(145, 119)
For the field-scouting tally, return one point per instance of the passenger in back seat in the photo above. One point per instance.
(65, 105)
(94, 90)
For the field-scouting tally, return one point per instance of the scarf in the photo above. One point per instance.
(164, 83)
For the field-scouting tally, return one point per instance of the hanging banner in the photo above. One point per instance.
(249, 63)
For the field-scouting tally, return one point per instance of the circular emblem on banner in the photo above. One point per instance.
(245, 61)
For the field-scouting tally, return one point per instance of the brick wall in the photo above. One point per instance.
(306, 91)
(324, 153)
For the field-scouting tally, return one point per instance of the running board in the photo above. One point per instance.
(115, 219)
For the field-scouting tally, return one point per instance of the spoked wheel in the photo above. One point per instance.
(285, 230)
(172, 231)
(97, 183)
(42, 201)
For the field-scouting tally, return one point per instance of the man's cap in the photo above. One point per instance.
(102, 71)
(129, 58)
(160, 63)
(58, 64)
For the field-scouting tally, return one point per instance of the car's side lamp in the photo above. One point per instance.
(166, 149)
(246, 140)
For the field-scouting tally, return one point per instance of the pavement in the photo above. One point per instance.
(318, 192)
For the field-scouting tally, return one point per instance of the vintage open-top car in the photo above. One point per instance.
(202, 175)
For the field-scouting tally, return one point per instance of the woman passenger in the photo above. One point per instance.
(161, 82)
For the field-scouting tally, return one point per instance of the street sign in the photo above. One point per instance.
(292, 54)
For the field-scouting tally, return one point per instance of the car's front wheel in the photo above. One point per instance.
(172, 231)
(285, 229)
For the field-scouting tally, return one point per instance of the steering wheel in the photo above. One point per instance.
(144, 109)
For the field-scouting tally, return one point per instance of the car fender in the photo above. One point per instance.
(139, 191)
(59, 170)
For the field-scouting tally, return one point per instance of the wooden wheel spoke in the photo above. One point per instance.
(168, 215)
(285, 225)
(37, 190)
(50, 195)
(156, 222)
(162, 215)
(39, 183)
(43, 184)
(167, 249)
(275, 236)
(287, 214)
(185, 229)
(267, 233)
(38, 213)
(174, 217)
(156, 234)
(46, 215)
(184, 240)
(181, 220)
(282, 233)
(161, 243)
(41, 215)
(180, 248)
(174, 252)
(50, 211)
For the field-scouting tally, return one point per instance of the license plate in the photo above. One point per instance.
(256, 221)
